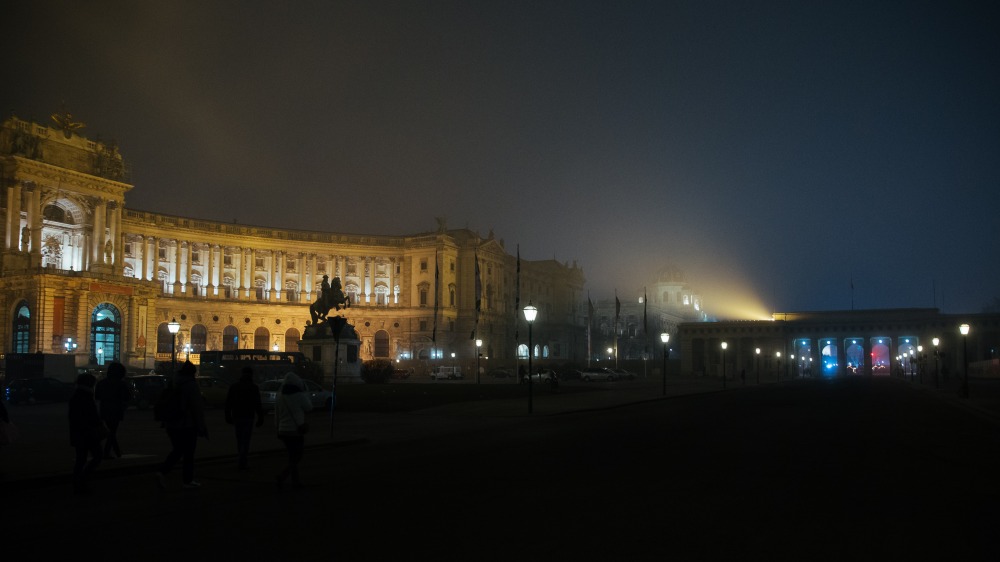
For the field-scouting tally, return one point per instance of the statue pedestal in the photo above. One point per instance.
(333, 345)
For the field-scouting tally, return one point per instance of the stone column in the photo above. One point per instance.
(13, 216)
(97, 240)
(35, 218)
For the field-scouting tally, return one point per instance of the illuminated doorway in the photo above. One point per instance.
(829, 360)
(105, 334)
(22, 328)
(854, 354)
(881, 356)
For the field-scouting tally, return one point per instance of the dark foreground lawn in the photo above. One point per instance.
(416, 396)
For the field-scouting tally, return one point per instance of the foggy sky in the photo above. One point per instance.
(774, 151)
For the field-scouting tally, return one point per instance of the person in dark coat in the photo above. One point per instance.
(113, 394)
(242, 408)
(85, 427)
(184, 428)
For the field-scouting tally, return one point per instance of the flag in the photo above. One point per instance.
(590, 311)
(517, 295)
(479, 290)
(645, 324)
(437, 280)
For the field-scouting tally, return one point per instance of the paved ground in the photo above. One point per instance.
(43, 456)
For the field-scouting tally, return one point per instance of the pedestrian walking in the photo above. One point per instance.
(85, 432)
(8, 433)
(242, 408)
(290, 409)
(184, 419)
(113, 395)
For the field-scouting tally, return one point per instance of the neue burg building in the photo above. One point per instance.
(82, 273)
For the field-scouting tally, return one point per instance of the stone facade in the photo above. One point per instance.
(79, 266)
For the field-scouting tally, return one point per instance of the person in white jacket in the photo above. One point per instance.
(290, 409)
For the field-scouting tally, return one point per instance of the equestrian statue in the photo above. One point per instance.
(329, 298)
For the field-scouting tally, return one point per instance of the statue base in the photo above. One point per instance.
(333, 345)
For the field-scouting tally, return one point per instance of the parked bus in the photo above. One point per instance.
(266, 365)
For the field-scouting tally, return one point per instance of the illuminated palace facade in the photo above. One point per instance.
(84, 274)
(913, 342)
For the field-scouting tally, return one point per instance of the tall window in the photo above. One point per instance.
(105, 334)
(381, 348)
(22, 328)
(199, 338)
(230, 338)
(261, 338)
(292, 339)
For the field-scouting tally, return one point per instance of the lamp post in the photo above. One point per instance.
(964, 329)
(777, 357)
(530, 312)
(936, 341)
(758, 364)
(665, 338)
(920, 363)
(173, 327)
(479, 345)
(70, 345)
(724, 346)
(187, 352)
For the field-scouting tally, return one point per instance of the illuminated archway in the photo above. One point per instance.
(21, 329)
(105, 334)
(881, 356)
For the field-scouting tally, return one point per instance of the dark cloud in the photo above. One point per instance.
(772, 151)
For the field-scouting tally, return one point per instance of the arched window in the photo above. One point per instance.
(105, 334)
(292, 339)
(199, 338)
(163, 338)
(261, 338)
(22, 328)
(352, 293)
(522, 351)
(230, 338)
(381, 348)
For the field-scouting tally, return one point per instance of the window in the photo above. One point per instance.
(423, 296)
(423, 325)
(451, 296)
(199, 337)
(162, 252)
(352, 268)
(22, 328)
(423, 264)
(451, 265)
(381, 348)
(196, 256)
(261, 338)
(258, 263)
(292, 339)
(227, 259)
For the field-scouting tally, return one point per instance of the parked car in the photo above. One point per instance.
(623, 374)
(450, 373)
(320, 397)
(146, 389)
(571, 375)
(45, 389)
(213, 391)
(543, 375)
(598, 374)
(401, 373)
(500, 373)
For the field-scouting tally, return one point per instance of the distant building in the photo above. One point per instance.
(632, 330)
(84, 274)
(840, 343)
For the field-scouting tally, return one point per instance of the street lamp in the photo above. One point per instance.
(964, 329)
(665, 338)
(777, 356)
(724, 346)
(100, 355)
(187, 352)
(530, 312)
(920, 363)
(610, 351)
(479, 345)
(173, 327)
(70, 345)
(936, 341)
(758, 364)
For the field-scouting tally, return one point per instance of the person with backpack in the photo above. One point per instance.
(85, 432)
(242, 407)
(290, 407)
(113, 394)
(182, 414)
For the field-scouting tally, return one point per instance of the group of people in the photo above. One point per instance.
(96, 409)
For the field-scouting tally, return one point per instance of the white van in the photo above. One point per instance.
(450, 373)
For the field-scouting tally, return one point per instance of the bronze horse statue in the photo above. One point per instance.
(329, 298)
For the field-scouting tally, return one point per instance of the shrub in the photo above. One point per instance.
(377, 371)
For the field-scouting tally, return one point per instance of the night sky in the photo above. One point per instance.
(773, 151)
